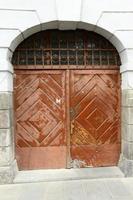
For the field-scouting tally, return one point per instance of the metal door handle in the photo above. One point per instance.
(72, 127)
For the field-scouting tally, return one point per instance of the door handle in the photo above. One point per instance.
(72, 112)
(72, 127)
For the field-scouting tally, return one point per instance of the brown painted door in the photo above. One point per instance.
(95, 117)
(67, 118)
(40, 113)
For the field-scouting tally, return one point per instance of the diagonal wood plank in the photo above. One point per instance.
(96, 111)
(40, 116)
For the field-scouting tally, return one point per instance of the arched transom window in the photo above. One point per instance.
(65, 49)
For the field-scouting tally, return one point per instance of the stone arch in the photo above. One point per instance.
(70, 25)
(80, 27)
(62, 25)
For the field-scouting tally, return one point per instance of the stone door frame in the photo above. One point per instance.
(8, 165)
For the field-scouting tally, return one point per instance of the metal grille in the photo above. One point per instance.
(65, 50)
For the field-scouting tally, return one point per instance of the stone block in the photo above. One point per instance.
(12, 118)
(127, 98)
(50, 25)
(124, 79)
(126, 57)
(127, 149)
(62, 8)
(5, 66)
(111, 21)
(48, 12)
(8, 173)
(85, 26)
(48, 9)
(7, 37)
(6, 101)
(103, 32)
(127, 115)
(67, 25)
(6, 155)
(6, 82)
(126, 166)
(5, 137)
(28, 32)
(87, 11)
(5, 119)
(18, 19)
(5, 54)
(123, 35)
(127, 132)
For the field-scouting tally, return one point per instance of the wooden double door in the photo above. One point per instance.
(67, 118)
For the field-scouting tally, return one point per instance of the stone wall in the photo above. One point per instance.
(126, 163)
(7, 162)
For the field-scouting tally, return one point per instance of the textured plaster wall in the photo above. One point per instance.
(112, 19)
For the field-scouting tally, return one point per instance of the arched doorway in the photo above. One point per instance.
(67, 100)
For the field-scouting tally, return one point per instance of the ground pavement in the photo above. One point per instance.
(84, 189)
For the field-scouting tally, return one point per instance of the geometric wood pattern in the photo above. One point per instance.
(40, 119)
(44, 99)
(95, 117)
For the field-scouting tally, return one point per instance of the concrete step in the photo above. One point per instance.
(32, 176)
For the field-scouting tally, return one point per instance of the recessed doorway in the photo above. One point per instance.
(67, 101)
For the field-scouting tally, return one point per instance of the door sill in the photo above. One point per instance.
(51, 175)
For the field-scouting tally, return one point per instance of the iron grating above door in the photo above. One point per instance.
(66, 50)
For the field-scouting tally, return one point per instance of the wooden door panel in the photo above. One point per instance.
(95, 117)
(94, 156)
(40, 111)
(42, 118)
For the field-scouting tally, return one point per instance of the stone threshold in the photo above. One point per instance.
(48, 175)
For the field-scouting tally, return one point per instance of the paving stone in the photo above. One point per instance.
(56, 191)
(96, 190)
(36, 192)
(71, 190)
(92, 189)
(128, 184)
(117, 189)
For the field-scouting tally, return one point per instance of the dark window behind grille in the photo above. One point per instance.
(65, 49)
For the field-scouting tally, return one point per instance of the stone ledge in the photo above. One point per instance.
(67, 174)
